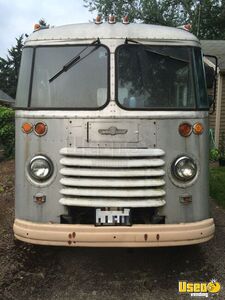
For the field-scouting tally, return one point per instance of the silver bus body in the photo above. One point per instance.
(111, 158)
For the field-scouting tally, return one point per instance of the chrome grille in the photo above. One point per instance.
(112, 177)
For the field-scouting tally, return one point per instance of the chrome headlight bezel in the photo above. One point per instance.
(46, 163)
(185, 162)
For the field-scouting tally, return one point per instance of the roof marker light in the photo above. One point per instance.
(41, 25)
(186, 27)
(126, 20)
(37, 27)
(98, 19)
(112, 19)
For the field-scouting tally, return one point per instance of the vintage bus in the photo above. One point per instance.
(112, 137)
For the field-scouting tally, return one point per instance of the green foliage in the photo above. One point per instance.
(9, 68)
(216, 185)
(222, 146)
(214, 154)
(206, 16)
(148, 11)
(7, 130)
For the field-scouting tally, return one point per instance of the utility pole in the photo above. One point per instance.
(199, 17)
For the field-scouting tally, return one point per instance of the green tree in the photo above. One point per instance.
(7, 131)
(206, 16)
(9, 68)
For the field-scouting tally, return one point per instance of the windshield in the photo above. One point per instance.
(83, 85)
(156, 77)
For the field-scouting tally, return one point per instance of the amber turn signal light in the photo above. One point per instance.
(185, 129)
(198, 128)
(40, 128)
(27, 127)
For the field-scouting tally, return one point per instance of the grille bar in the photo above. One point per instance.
(111, 182)
(111, 162)
(103, 172)
(114, 152)
(111, 202)
(121, 192)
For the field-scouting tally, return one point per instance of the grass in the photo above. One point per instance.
(217, 184)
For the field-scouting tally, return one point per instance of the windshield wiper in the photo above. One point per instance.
(127, 41)
(76, 59)
(167, 56)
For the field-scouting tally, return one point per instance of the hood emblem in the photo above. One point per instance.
(112, 131)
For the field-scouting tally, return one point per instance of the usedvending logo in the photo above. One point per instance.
(199, 289)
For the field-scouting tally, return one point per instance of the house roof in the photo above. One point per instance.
(216, 48)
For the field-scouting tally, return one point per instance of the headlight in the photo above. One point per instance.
(40, 168)
(184, 168)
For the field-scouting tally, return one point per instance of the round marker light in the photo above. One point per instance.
(112, 19)
(37, 26)
(40, 168)
(187, 27)
(98, 19)
(126, 20)
(27, 127)
(185, 129)
(40, 128)
(198, 128)
(184, 168)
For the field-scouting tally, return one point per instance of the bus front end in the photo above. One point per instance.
(112, 138)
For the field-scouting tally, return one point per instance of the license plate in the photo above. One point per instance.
(113, 217)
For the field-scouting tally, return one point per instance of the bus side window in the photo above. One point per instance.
(210, 76)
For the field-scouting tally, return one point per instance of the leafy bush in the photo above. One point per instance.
(7, 130)
(218, 153)
(214, 154)
(216, 184)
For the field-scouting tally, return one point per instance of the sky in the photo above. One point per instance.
(19, 16)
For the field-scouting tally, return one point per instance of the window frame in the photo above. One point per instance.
(197, 77)
(30, 78)
(29, 107)
(194, 70)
